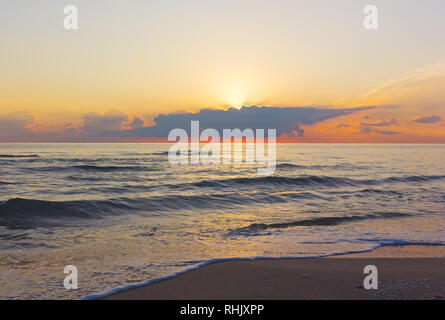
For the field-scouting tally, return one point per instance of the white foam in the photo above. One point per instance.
(212, 261)
(377, 243)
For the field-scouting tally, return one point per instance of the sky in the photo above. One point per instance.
(133, 63)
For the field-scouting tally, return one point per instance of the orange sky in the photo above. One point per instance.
(134, 60)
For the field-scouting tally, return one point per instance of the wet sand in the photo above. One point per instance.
(410, 272)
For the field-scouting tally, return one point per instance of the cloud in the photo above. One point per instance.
(429, 120)
(369, 127)
(136, 123)
(419, 89)
(387, 132)
(342, 125)
(96, 125)
(115, 125)
(382, 123)
(286, 121)
(16, 125)
(368, 130)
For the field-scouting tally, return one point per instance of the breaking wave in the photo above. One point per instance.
(322, 221)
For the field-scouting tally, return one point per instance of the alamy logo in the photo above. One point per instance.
(71, 21)
(70, 282)
(371, 21)
(187, 150)
(371, 281)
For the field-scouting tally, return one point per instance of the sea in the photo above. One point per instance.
(125, 216)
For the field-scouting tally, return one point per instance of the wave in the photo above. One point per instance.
(93, 168)
(388, 242)
(30, 208)
(165, 153)
(277, 180)
(12, 156)
(322, 221)
(290, 166)
(160, 153)
(365, 192)
(110, 168)
(309, 181)
(19, 209)
(341, 166)
(420, 178)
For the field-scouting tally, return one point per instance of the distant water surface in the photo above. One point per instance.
(123, 214)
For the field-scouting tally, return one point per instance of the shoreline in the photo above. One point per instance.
(248, 276)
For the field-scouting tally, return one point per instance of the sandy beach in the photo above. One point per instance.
(414, 272)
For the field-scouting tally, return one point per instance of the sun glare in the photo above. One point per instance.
(236, 100)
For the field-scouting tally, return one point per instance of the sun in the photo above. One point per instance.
(236, 99)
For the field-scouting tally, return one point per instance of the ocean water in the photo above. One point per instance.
(122, 214)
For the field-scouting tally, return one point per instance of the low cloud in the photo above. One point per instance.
(107, 125)
(95, 124)
(370, 127)
(116, 125)
(136, 123)
(287, 121)
(16, 125)
(429, 120)
(368, 130)
(382, 123)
